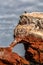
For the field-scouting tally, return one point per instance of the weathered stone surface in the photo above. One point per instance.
(30, 31)
(7, 57)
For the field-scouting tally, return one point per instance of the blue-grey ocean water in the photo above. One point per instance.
(10, 10)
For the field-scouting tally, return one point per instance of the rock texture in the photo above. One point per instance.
(30, 31)
(7, 57)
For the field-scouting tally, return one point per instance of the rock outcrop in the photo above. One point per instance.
(7, 57)
(30, 31)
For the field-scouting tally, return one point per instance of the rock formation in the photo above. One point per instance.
(7, 57)
(30, 31)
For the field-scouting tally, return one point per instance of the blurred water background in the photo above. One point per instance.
(10, 10)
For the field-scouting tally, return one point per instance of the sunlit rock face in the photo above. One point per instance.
(30, 31)
(30, 23)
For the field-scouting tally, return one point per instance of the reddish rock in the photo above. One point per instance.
(30, 31)
(7, 57)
